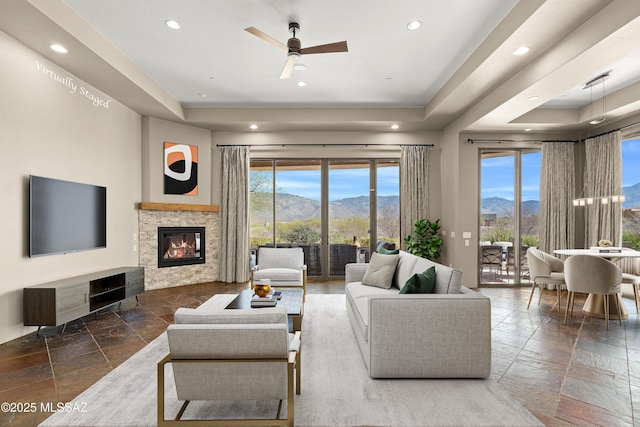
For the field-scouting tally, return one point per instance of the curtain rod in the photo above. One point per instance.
(325, 145)
(472, 141)
(611, 131)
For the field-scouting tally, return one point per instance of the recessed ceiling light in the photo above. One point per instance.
(394, 126)
(58, 48)
(302, 84)
(414, 25)
(528, 130)
(299, 67)
(521, 50)
(254, 126)
(174, 25)
(532, 98)
(202, 95)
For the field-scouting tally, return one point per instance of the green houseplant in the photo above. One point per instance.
(426, 241)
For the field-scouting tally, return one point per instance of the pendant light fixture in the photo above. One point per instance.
(589, 85)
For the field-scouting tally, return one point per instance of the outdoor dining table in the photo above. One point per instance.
(593, 305)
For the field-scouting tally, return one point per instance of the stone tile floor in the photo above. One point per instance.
(574, 374)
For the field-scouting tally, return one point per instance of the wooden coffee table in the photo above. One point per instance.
(291, 300)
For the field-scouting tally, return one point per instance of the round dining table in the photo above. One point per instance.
(594, 304)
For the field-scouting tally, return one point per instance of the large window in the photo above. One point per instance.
(509, 211)
(631, 191)
(326, 207)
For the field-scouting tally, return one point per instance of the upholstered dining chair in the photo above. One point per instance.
(285, 268)
(545, 269)
(631, 275)
(592, 275)
(231, 355)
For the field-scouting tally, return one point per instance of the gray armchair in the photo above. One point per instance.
(231, 355)
(545, 269)
(592, 275)
(283, 266)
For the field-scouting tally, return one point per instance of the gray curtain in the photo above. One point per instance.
(603, 177)
(414, 187)
(234, 214)
(557, 183)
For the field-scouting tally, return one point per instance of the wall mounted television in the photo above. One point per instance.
(65, 216)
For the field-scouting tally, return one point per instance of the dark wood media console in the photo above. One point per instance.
(56, 303)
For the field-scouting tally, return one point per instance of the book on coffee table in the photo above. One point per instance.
(268, 301)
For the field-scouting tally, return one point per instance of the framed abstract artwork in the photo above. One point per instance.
(180, 169)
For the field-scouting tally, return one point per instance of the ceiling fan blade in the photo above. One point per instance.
(263, 36)
(326, 48)
(288, 68)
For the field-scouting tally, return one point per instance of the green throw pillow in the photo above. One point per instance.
(385, 251)
(421, 283)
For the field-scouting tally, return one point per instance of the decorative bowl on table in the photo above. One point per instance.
(262, 287)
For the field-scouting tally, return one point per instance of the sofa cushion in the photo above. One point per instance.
(421, 283)
(196, 316)
(380, 271)
(279, 275)
(405, 269)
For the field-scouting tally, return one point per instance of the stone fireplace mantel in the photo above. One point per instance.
(151, 206)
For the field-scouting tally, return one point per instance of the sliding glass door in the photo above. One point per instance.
(327, 207)
(509, 208)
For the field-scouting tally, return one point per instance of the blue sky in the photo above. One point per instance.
(498, 178)
(343, 183)
(630, 162)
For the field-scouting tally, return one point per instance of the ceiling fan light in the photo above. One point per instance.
(299, 67)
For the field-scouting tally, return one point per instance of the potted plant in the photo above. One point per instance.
(426, 241)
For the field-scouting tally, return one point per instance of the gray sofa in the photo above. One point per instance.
(446, 334)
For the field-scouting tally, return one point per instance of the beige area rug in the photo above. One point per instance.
(336, 389)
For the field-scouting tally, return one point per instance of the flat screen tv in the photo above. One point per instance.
(65, 216)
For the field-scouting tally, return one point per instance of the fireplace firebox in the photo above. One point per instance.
(180, 246)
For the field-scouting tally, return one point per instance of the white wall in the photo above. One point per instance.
(46, 129)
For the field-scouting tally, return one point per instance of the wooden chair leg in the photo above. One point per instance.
(533, 288)
(606, 310)
(566, 311)
(558, 291)
(619, 302)
(636, 298)
(540, 288)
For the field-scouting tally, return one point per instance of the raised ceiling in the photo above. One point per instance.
(457, 68)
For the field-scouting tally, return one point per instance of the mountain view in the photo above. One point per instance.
(292, 208)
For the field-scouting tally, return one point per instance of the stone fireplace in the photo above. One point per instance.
(181, 237)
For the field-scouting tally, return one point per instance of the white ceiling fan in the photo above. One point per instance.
(294, 47)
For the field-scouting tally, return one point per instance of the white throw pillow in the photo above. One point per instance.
(380, 270)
